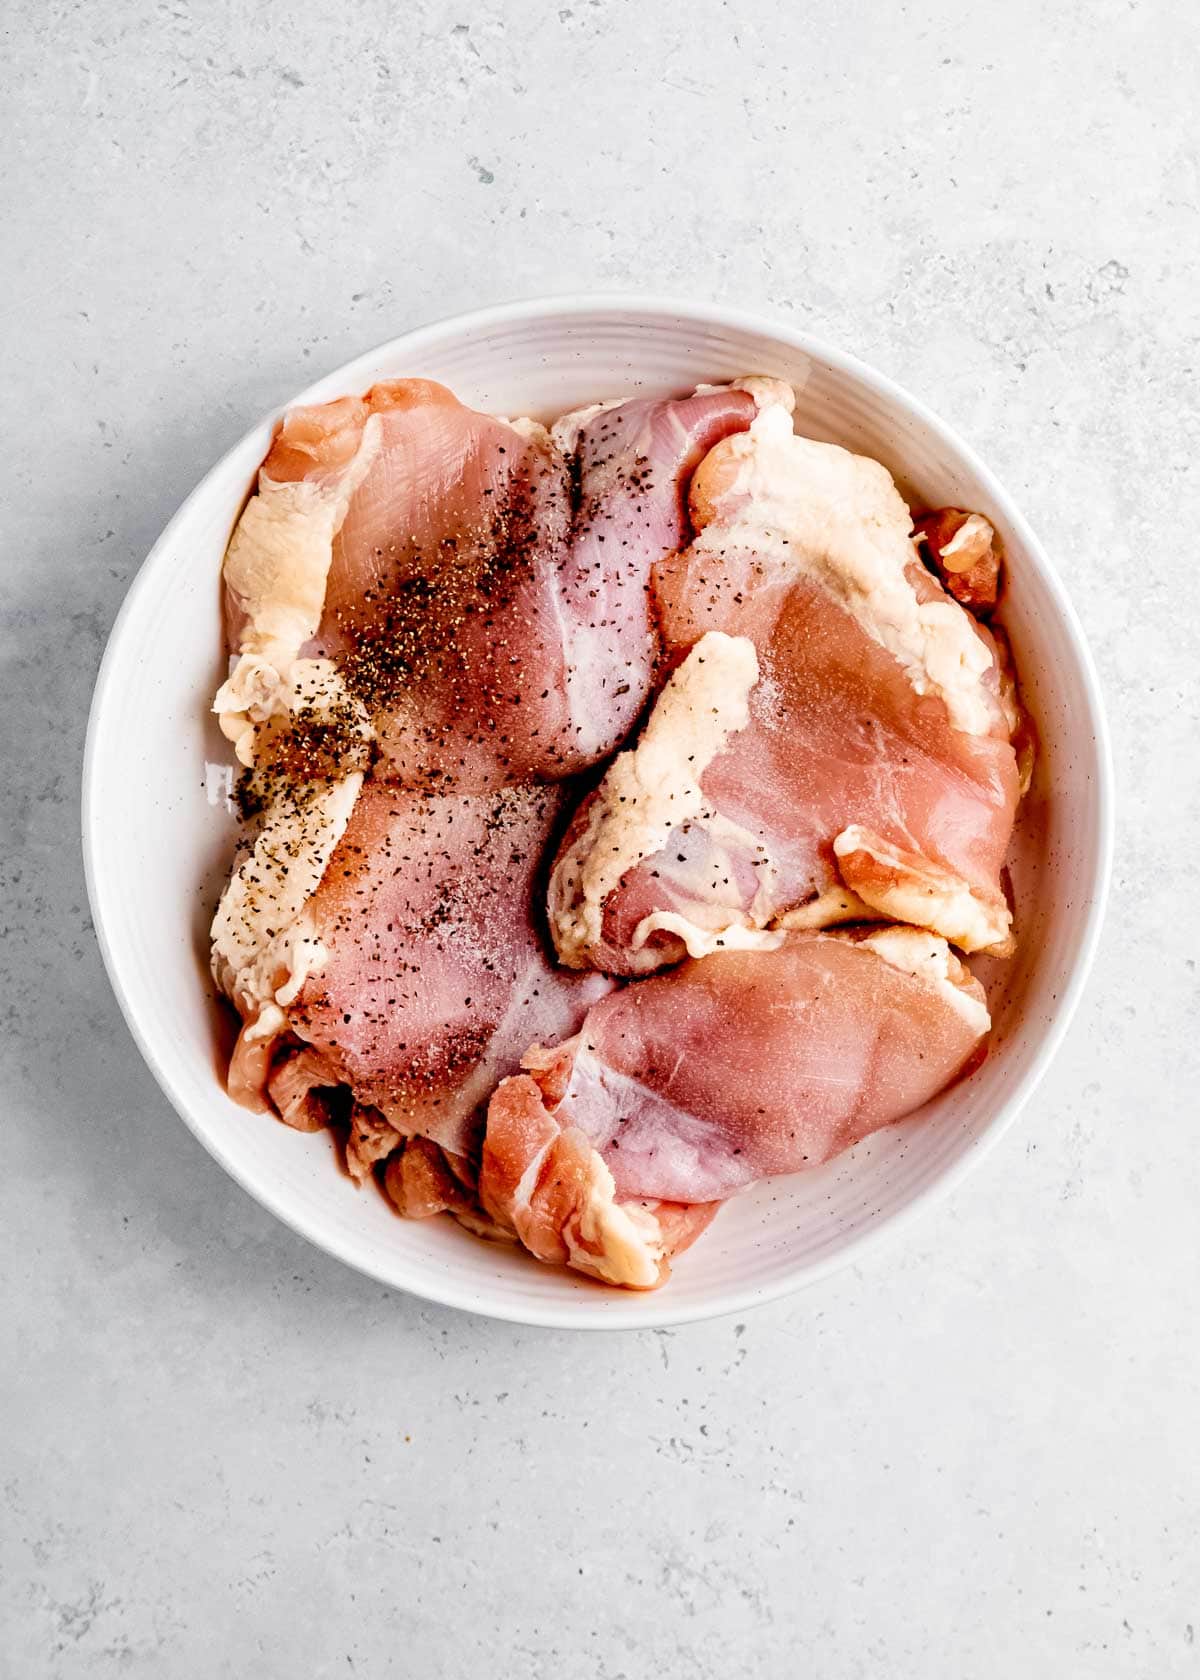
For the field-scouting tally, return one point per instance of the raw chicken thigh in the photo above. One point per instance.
(683, 1088)
(836, 744)
(477, 592)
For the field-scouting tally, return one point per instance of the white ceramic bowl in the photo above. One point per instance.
(156, 848)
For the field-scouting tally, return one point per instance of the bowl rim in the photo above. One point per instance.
(578, 1312)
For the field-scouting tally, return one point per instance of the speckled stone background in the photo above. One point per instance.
(976, 1456)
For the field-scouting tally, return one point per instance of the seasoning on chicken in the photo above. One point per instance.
(433, 976)
(474, 590)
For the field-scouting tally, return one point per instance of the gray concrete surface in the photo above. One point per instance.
(977, 1455)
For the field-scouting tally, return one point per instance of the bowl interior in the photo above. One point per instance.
(158, 836)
